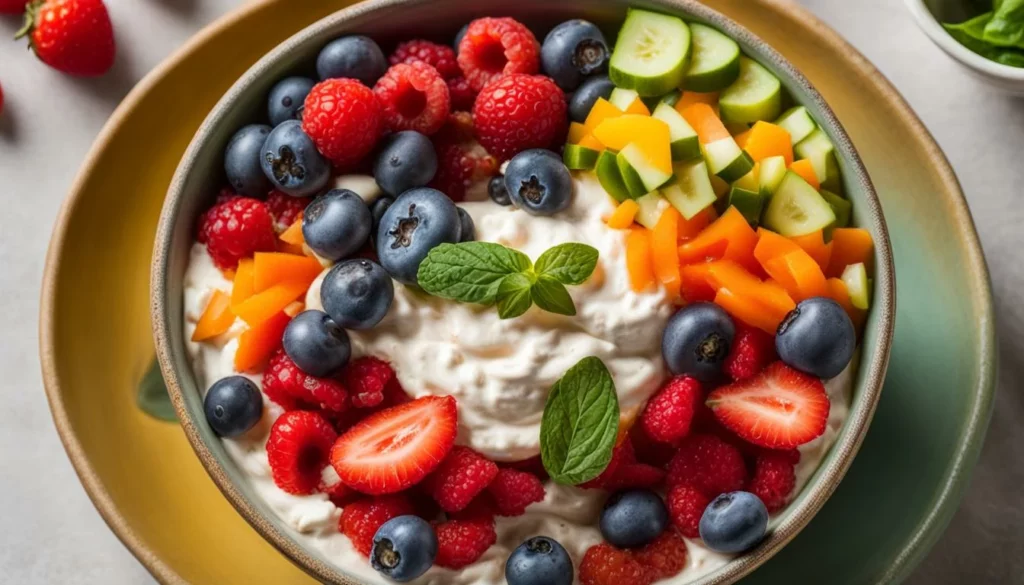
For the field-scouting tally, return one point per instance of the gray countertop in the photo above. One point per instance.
(50, 531)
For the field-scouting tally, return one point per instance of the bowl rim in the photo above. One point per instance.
(815, 493)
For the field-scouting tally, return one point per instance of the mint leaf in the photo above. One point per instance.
(469, 272)
(551, 295)
(514, 296)
(580, 423)
(568, 263)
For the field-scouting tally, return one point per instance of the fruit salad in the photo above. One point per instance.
(571, 310)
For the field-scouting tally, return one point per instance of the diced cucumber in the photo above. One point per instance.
(691, 191)
(770, 174)
(755, 95)
(727, 160)
(719, 186)
(748, 203)
(652, 205)
(608, 175)
(841, 207)
(796, 208)
(579, 158)
(818, 149)
(671, 98)
(651, 177)
(856, 278)
(685, 144)
(748, 181)
(630, 177)
(798, 122)
(652, 53)
(715, 63)
(623, 98)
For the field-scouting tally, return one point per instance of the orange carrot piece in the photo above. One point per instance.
(216, 318)
(264, 305)
(690, 228)
(850, 246)
(576, 133)
(293, 235)
(799, 274)
(592, 143)
(708, 126)
(664, 252)
(638, 260)
(731, 228)
(623, 215)
(838, 292)
(270, 268)
(749, 311)
(694, 282)
(742, 138)
(805, 169)
(730, 275)
(602, 110)
(767, 140)
(691, 97)
(771, 245)
(242, 288)
(814, 244)
(257, 343)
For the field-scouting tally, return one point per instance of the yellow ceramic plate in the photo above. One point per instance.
(149, 486)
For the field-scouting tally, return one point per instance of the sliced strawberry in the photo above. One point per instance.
(780, 408)
(396, 448)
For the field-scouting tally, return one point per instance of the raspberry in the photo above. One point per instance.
(685, 506)
(774, 479)
(298, 449)
(340, 494)
(622, 455)
(493, 47)
(532, 465)
(462, 475)
(413, 96)
(285, 209)
(668, 414)
(663, 558)
(462, 542)
(366, 378)
(514, 490)
(461, 94)
(603, 564)
(226, 194)
(634, 476)
(283, 379)
(752, 350)
(518, 112)
(709, 464)
(461, 161)
(361, 519)
(344, 119)
(482, 509)
(236, 229)
(440, 57)
(648, 450)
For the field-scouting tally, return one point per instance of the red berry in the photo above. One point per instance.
(686, 505)
(634, 476)
(462, 542)
(518, 112)
(622, 455)
(283, 378)
(497, 46)
(361, 519)
(668, 414)
(532, 465)
(483, 509)
(648, 450)
(462, 95)
(514, 490)
(297, 450)
(709, 464)
(780, 408)
(72, 36)
(664, 557)
(237, 229)
(285, 209)
(12, 6)
(774, 479)
(440, 57)
(366, 378)
(459, 478)
(344, 119)
(396, 448)
(461, 161)
(340, 494)
(413, 96)
(226, 194)
(603, 564)
(752, 350)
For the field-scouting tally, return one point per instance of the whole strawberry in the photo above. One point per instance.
(12, 6)
(73, 36)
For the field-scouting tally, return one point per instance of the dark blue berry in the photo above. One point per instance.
(287, 97)
(734, 522)
(337, 224)
(633, 518)
(468, 228)
(403, 548)
(318, 345)
(377, 210)
(497, 191)
(233, 405)
(538, 182)
(418, 221)
(357, 293)
(242, 161)
(539, 561)
(697, 341)
(291, 161)
(459, 36)
(817, 337)
(584, 98)
(572, 51)
(406, 160)
(355, 57)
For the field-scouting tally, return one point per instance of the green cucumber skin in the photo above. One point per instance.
(685, 149)
(608, 175)
(795, 192)
(749, 203)
(840, 206)
(855, 277)
(715, 79)
(737, 168)
(650, 86)
(798, 122)
(768, 108)
(580, 158)
(634, 184)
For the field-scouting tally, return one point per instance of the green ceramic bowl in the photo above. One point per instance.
(199, 177)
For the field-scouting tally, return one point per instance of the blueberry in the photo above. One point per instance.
(355, 57)
(633, 518)
(418, 221)
(242, 161)
(497, 191)
(572, 51)
(817, 337)
(467, 226)
(233, 405)
(459, 36)
(538, 182)
(734, 522)
(377, 210)
(291, 161)
(403, 548)
(337, 224)
(406, 160)
(287, 97)
(316, 343)
(584, 98)
(357, 293)
(539, 561)
(697, 340)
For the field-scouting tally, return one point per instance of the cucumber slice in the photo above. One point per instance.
(856, 278)
(841, 207)
(691, 191)
(685, 144)
(748, 181)
(755, 95)
(652, 205)
(671, 98)
(796, 208)
(652, 53)
(651, 176)
(579, 158)
(798, 122)
(770, 174)
(634, 184)
(623, 98)
(607, 170)
(727, 160)
(818, 149)
(715, 63)
(749, 203)
(719, 186)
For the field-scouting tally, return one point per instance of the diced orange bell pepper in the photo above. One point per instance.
(749, 311)
(270, 268)
(216, 318)
(694, 282)
(264, 305)
(799, 274)
(742, 138)
(638, 107)
(242, 288)
(691, 97)
(768, 140)
(592, 143)
(293, 235)
(664, 251)
(638, 260)
(623, 215)
(814, 244)
(730, 275)
(771, 245)
(706, 123)
(576, 133)
(731, 228)
(691, 228)
(850, 246)
(805, 169)
(601, 111)
(257, 343)
(838, 292)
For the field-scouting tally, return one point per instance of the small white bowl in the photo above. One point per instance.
(930, 14)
